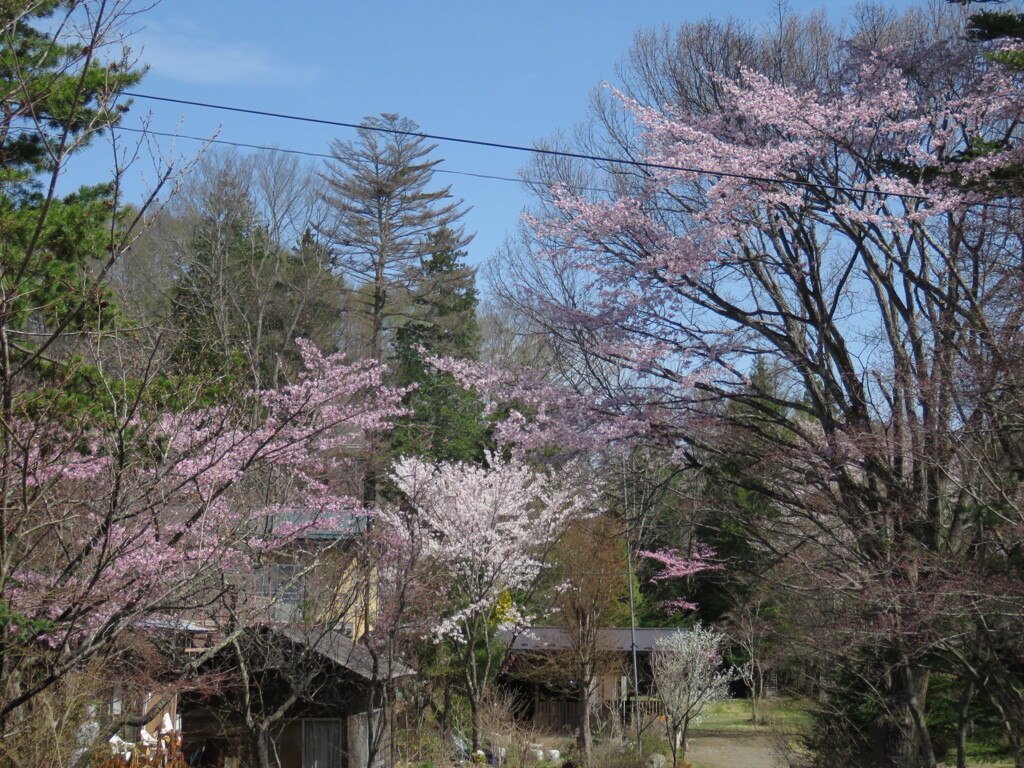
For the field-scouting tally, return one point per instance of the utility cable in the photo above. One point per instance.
(492, 177)
(533, 150)
(327, 156)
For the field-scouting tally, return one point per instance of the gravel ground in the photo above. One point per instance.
(731, 750)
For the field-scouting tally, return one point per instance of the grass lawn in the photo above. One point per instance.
(728, 737)
(981, 756)
(789, 716)
(733, 716)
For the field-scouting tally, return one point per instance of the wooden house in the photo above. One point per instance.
(539, 667)
(315, 693)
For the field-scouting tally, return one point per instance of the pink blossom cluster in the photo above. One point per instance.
(150, 514)
(539, 415)
(676, 566)
(881, 154)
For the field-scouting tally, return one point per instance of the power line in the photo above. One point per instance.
(299, 152)
(531, 150)
(327, 156)
(492, 177)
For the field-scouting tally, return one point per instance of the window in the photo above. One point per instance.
(323, 744)
(281, 581)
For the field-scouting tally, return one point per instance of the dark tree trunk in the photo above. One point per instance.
(902, 740)
(962, 722)
(474, 718)
(260, 748)
(584, 732)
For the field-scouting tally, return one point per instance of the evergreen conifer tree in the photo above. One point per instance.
(446, 421)
(384, 214)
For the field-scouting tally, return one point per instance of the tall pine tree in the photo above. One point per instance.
(384, 213)
(446, 421)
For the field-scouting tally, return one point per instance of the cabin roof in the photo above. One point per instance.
(346, 653)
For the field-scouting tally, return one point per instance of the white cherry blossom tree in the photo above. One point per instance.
(489, 529)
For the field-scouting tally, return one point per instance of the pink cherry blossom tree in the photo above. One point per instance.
(488, 530)
(855, 233)
(149, 515)
(129, 502)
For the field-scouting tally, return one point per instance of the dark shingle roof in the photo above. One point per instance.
(345, 653)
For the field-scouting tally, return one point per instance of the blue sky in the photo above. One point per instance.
(503, 72)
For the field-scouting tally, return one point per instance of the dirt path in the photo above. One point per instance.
(731, 750)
